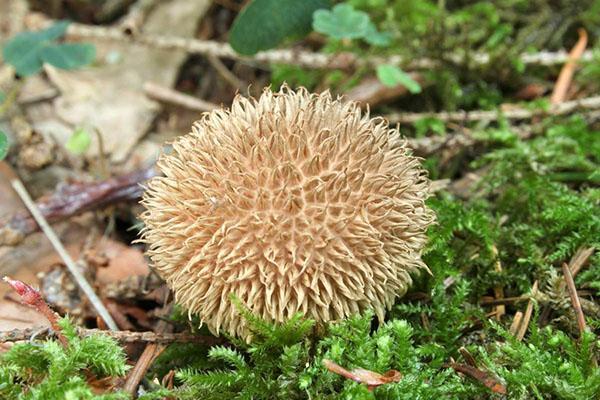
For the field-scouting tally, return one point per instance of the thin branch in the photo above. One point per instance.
(574, 298)
(171, 96)
(150, 353)
(225, 73)
(60, 249)
(567, 107)
(503, 301)
(483, 377)
(299, 57)
(16, 335)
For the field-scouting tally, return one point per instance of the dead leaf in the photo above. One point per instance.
(531, 91)
(370, 378)
(123, 262)
(109, 96)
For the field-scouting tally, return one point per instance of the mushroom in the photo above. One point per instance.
(294, 202)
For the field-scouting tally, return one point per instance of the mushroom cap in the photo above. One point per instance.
(294, 202)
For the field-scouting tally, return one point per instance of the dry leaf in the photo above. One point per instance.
(109, 96)
(370, 378)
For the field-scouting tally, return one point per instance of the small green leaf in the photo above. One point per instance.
(342, 22)
(391, 76)
(376, 38)
(27, 51)
(79, 142)
(68, 55)
(263, 24)
(56, 31)
(22, 52)
(3, 145)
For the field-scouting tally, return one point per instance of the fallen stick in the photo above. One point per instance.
(17, 335)
(171, 96)
(299, 57)
(483, 377)
(567, 107)
(78, 276)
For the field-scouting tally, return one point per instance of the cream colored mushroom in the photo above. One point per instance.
(292, 202)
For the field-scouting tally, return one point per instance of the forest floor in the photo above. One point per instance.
(500, 99)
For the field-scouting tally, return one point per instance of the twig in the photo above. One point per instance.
(60, 249)
(151, 351)
(302, 58)
(503, 301)
(33, 298)
(574, 298)
(527, 316)
(484, 377)
(568, 70)
(16, 335)
(135, 376)
(225, 73)
(74, 199)
(167, 95)
(567, 107)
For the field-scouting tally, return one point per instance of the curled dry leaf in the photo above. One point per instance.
(370, 378)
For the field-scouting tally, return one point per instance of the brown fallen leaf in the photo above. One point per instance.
(370, 378)
(108, 96)
(531, 91)
(483, 377)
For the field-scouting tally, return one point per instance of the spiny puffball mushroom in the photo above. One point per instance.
(292, 202)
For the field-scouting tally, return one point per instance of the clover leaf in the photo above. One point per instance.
(341, 22)
(3, 145)
(391, 76)
(345, 22)
(28, 51)
(79, 142)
